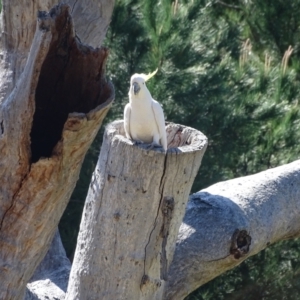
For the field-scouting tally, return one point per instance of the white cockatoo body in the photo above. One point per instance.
(144, 119)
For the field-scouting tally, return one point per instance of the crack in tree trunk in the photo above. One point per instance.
(145, 279)
(136, 215)
(2, 127)
(167, 211)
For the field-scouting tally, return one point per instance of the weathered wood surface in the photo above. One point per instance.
(264, 206)
(51, 277)
(91, 18)
(17, 29)
(53, 101)
(222, 220)
(132, 214)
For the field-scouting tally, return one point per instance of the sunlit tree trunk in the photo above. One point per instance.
(132, 214)
(232, 220)
(53, 98)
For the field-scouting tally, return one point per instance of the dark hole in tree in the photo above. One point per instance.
(243, 240)
(71, 80)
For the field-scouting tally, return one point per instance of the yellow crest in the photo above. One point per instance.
(150, 75)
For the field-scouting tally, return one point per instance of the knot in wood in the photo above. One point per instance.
(117, 216)
(145, 279)
(168, 206)
(167, 211)
(240, 243)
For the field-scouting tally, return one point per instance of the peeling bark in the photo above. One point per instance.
(49, 116)
(132, 214)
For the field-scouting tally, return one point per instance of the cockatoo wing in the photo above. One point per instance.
(160, 121)
(127, 113)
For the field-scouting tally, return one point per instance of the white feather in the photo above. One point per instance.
(160, 122)
(127, 112)
(144, 119)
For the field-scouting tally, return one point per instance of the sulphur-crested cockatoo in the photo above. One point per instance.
(144, 119)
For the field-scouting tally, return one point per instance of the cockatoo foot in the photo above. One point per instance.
(137, 142)
(153, 145)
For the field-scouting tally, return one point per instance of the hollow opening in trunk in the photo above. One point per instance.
(71, 80)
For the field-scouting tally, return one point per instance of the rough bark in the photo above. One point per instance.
(53, 100)
(232, 220)
(132, 214)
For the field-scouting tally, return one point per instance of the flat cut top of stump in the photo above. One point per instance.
(181, 139)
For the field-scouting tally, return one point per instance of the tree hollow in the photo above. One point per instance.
(71, 80)
(48, 123)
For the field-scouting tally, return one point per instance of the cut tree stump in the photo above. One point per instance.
(135, 205)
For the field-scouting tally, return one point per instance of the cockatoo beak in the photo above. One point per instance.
(136, 87)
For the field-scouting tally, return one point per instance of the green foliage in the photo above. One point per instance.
(245, 110)
(271, 25)
(243, 97)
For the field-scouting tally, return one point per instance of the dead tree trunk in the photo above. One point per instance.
(223, 225)
(50, 279)
(132, 214)
(53, 98)
(230, 221)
